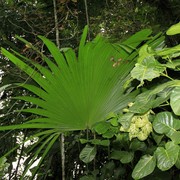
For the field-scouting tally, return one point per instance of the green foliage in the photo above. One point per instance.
(87, 154)
(165, 123)
(63, 84)
(3, 166)
(128, 134)
(174, 100)
(123, 156)
(115, 19)
(154, 148)
(175, 29)
(167, 157)
(144, 167)
(74, 93)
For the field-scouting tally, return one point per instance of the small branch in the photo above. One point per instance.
(62, 155)
(56, 23)
(87, 18)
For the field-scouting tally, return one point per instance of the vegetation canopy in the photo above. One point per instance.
(98, 89)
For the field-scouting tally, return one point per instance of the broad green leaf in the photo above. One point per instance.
(144, 167)
(148, 69)
(112, 131)
(175, 100)
(157, 137)
(87, 154)
(135, 39)
(174, 135)
(145, 53)
(83, 141)
(105, 143)
(101, 127)
(154, 97)
(114, 122)
(125, 119)
(100, 142)
(177, 164)
(123, 156)
(95, 141)
(167, 157)
(174, 29)
(137, 145)
(165, 123)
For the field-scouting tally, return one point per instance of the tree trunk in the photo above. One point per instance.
(61, 139)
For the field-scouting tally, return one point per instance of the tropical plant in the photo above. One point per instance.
(145, 138)
(73, 93)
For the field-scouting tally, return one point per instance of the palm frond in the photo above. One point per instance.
(74, 93)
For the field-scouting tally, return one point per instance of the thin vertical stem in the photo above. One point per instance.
(62, 155)
(87, 18)
(94, 164)
(61, 139)
(87, 138)
(56, 23)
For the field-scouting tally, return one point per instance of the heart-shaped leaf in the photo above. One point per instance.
(167, 157)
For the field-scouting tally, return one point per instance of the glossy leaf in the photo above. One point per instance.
(87, 154)
(144, 167)
(175, 100)
(165, 123)
(167, 157)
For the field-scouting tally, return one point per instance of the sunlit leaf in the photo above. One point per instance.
(165, 123)
(148, 69)
(175, 100)
(144, 167)
(174, 29)
(167, 157)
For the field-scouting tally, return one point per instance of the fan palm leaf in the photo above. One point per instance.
(74, 93)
